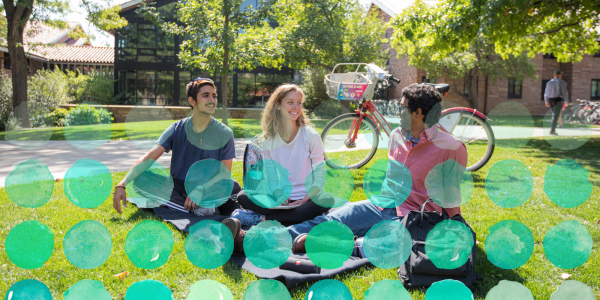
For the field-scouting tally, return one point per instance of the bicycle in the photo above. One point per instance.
(361, 130)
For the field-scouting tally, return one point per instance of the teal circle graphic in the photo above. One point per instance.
(337, 188)
(266, 183)
(329, 244)
(87, 183)
(152, 186)
(267, 289)
(386, 290)
(387, 183)
(573, 289)
(145, 125)
(214, 137)
(30, 184)
(509, 183)
(449, 244)
(509, 290)
(268, 244)
(87, 289)
(148, 290)
(388, 244)
(28, 289)
(567, 184)
(444, 182)
(512, 124)
(328, 289)
(87, 245)
(448, 290)
(509, 244)
(467, 185)
(31, 138)
(199, 188)
(29, 245)
(87, 127)
(149, 244)
(209, 289)
(209, 244)
(568, 245)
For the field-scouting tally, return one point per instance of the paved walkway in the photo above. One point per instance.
(120, 155)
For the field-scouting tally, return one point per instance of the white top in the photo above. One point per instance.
(302, 156)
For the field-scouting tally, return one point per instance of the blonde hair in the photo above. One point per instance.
(271, 119)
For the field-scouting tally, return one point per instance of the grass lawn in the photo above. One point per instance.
(178, 274)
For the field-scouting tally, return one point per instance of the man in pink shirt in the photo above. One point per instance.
(435, 160)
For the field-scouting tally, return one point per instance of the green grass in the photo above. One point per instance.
(538, 213)
(522, 121)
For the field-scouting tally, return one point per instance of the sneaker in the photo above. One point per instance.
(559, 126)
(203, 211)
(553, 133)
(298, 244)
(246, 217)
(238, 234)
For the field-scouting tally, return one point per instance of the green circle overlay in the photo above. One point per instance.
(149, 244)
(202, 172)
(573, 289)
(87, 289)
(148, 290)
(30, 184)
(87, 245)
(567, 183)
(153, 187)
(509, 244)
(386, 290)
(509, 183)
(259, 186)
(328, 289)
(87, 183)
(87, 130)
(568, 245)
(444, 184)
(509, 290)
(29, 245)
(209, 289)
(338, 187)
(28, 289)
(209, 244)
(267, 289)
(449, 244)
(387, 183)
(512, 124)
(329, 244)
(388, 244)
(144, 127)
(268, 244)
(578, 134)
(448, 290)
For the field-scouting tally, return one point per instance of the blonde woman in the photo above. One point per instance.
(289, 140)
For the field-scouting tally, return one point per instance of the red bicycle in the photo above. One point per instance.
(352, 139)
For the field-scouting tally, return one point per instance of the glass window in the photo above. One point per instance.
(184, 78)
(147, 38)
(130, 81)
(167, 11)
(127, 54)
(595, 89)
(104, 70)
(126, 37)
(165, 87)
(514, 88)
(52, 67)
(246, 89)
(7, 63)
(45, 66)
(145, 87)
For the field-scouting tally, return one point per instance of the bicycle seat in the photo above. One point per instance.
(442, 88)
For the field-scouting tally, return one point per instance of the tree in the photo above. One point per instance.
(221, 36)
(425, 34)
(37, 12)
(567, 29)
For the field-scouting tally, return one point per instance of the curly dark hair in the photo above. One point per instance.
(194, 94)
(425, 97)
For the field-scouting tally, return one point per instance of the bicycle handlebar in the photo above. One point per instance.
(394, 79)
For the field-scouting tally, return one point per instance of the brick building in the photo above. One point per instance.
(48, 47)
(583, 78)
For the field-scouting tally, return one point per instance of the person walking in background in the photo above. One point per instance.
(556, 94)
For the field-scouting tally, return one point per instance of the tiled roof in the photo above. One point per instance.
(39, 33)
(82, 54)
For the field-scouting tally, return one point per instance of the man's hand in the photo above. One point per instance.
(119, 196)
(547, 104)
(189, 204)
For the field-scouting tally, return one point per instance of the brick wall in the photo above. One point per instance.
(583, 73)
(34, 66)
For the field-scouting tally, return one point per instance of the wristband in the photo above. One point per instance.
(121, 186)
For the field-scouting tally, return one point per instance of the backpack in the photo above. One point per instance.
(419, 271)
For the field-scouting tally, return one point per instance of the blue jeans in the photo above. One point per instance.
(358, 216)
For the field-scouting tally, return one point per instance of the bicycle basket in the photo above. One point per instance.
(346, 86)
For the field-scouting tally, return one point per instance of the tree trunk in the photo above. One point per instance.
(224, 95)
(225, 73)
(16, 16)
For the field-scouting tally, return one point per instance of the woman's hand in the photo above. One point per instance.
(303, 201)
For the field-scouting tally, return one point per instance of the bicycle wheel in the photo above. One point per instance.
(339, 151)
(475, 132)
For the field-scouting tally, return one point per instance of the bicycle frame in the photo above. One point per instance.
(373, 114)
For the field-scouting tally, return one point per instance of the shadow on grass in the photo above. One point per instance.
(492, 275)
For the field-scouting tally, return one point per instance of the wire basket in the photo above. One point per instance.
(347, 86)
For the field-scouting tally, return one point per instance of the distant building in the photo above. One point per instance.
(583, 78)
(147, 71)
(48, 47)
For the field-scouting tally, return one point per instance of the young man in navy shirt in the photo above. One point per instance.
(200, 140)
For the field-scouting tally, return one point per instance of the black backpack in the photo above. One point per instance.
(419, 271)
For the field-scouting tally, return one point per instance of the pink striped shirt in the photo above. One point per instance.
(434, 147)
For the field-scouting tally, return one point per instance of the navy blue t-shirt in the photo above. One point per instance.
(215, 142)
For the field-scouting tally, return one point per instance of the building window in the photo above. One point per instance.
(45, 66)
(597, 54)
(515, 88)
(51, 67)
(595, 89)
(544, 83)
(7, 63)
(549, 56)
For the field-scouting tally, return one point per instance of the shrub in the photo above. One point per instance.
(57, 117)
(6, 99)
(93, 88)
(86, 115)
(315, 91)
(46, 90)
